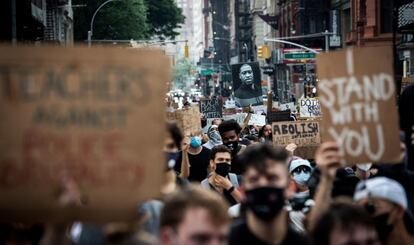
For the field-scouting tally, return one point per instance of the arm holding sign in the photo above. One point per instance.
(328, 160)
(185, 164)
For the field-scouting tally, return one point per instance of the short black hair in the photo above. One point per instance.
(229, 125)
(256, 156)
(345, 216)
(217, 149)
(175, 133)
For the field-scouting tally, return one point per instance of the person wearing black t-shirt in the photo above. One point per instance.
(220, 179)
(229, 131)
(265, 182)
(192, 163)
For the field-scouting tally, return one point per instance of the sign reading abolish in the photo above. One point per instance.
(309, 107)
(82, 115)
(357, 95)
(212, 108)
(305, 134)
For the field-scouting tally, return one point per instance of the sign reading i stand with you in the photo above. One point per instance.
(357, 95)
(212, 108)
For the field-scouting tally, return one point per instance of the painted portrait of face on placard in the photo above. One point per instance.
(247, 84)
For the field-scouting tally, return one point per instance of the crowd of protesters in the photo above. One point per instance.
(233, 186)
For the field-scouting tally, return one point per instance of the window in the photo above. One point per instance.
(386, 16)
(347, 20)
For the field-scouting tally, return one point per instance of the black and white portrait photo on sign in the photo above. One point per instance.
(247, 84)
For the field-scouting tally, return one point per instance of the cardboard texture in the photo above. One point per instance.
(93, 116)
(357, 95)
(305, 134)
(212, 108)
(188, 120)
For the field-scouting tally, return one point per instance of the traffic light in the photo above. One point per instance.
(263, 52)
(266, 51)
(186, 51)
(260, 52)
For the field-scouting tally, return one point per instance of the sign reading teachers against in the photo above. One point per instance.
(309, 107)
(305, 134)
(247, 84)
(79, 118)
(212, 108)
(357, 95)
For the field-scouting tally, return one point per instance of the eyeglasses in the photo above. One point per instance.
(300, 169)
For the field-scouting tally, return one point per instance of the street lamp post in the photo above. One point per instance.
(90, 32)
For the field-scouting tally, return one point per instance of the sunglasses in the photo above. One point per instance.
(300, 169)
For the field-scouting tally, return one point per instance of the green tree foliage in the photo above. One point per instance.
(124, 19)
(164, 17)
(127, 19)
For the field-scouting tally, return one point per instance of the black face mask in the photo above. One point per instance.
(232, 145)
(171, 157)
(383, 228)
(265, 202)
(222, 169)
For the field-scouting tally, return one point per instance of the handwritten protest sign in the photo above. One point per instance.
(188, 120)
(259, 109)
(357, 95)
(82, 115)
(309, 107)
(256, 119)
(278, 116)
(287, 106)
(239, 117)
(212, 108)
(305, 134)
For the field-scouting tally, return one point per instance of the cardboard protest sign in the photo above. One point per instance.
(256, 119)
(259, 109)
(309, 107)
(93, 117)
(212, 108)
(287, 106)
(278, 116)
(188, 120)
(239, 117)
(357, 95)
(305, 134)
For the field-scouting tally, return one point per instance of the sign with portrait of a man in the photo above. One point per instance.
(246, 84)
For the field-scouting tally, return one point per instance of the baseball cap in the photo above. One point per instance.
(390, 190)
(381, 187)
(297, 163)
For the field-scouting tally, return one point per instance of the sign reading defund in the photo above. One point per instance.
(93, 117)
(357, 95)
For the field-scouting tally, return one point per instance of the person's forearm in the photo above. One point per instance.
(236, 194)
(185, 166)
(322, 201)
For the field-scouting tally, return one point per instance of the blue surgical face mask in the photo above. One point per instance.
(301, 178)
(195, 142)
